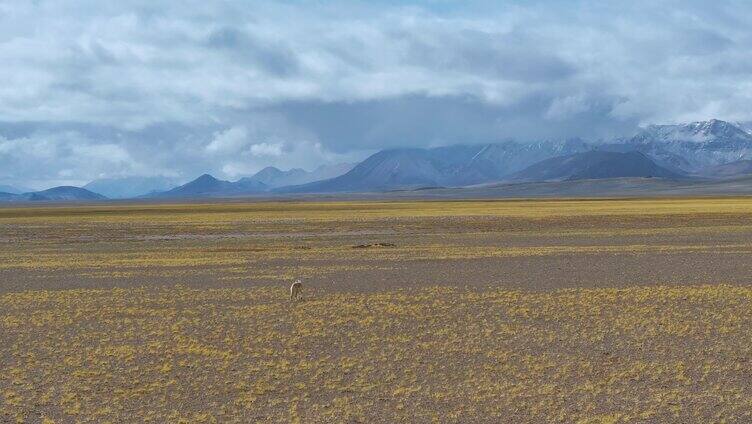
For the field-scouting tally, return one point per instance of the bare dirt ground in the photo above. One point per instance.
(489, 311)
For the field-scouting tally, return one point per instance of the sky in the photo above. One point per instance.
(92, 89)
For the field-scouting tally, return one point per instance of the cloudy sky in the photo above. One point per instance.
(92, 89)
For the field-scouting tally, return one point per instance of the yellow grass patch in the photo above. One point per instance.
(223, 355)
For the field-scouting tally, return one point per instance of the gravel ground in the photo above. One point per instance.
(608, 311)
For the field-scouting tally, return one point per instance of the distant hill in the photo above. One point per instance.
(728, 170)
(325, 172)
(8, 197)
(273, 177)
(606, 187)
(127, 187)
(261, 182)
(208, 186)
(62, 193)
(593, 165)
(398, 168)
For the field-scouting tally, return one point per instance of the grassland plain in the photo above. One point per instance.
(593, 311)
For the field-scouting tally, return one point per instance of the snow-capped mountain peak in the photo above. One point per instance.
(699, 132)
(744, 126)
(694, 146)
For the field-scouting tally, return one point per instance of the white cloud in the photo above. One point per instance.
(302, 154)
(564, 107)
(60, 158)
(232, 140)
(188, 88)
(266, 149)
(129, 65)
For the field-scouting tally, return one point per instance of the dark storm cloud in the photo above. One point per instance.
(98, 89)
(515, 56)
(419, 120)
(273, 58)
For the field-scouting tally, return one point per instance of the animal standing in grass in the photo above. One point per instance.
(295, 290)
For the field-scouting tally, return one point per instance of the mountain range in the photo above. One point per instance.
(441, 166)
(667, 151)
(690, 148)
(261, 182)
(699, 151)
(208, 186)
(274, 177)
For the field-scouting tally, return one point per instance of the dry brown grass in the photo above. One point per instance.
(435, 354)
(186, 316)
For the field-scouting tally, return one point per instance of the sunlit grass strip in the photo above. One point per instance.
(202, 257)
(213, 213)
